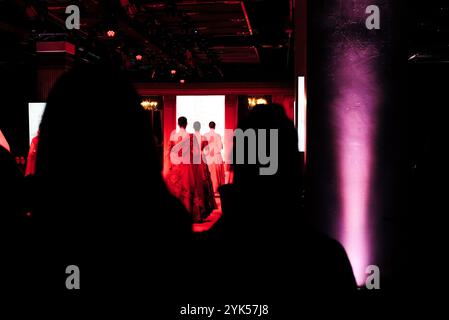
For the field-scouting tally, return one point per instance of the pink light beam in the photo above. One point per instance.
(355, 111)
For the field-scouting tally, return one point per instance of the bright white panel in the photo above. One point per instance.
(203, 109)
(35, 111)
(302, 109)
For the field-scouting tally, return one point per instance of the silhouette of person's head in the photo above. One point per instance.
(197, 126)
(7, 164)
(182, 122)
(262, 212)
(101, 190)
(92, 116)
(11, 179)
(212, 125)
(286, 179)
(96, 146)
(255, 196)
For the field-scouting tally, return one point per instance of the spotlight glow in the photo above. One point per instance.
(149, 105)
(254, 101)
(355, 110)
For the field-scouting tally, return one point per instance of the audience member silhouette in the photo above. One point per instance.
(102, 204)
(262, 240)
(11, 182)
(14, 224)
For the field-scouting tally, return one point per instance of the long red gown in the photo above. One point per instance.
(214, 159)
(189, 180)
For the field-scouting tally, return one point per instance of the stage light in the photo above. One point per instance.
(149, 105)
(173, 72)
(139, 57)
(182, 81)
(254, 101)
(111, 33)
(355, 110)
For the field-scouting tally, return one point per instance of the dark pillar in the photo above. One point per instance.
(351, 97)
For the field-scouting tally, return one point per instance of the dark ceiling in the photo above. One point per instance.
(203, 40)
(428, 31)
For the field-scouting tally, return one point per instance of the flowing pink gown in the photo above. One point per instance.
(188, 180)
(214, 159)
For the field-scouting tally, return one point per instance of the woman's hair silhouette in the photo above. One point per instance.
(100, 183)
